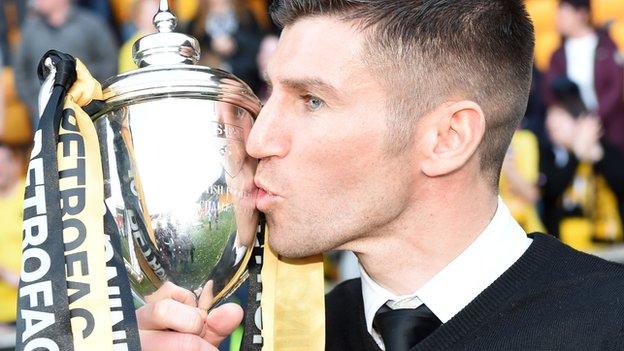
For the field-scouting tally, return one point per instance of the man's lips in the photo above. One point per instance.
(265, 197)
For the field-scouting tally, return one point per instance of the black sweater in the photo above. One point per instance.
(552, 298)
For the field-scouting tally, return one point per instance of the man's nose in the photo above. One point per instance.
(268, 136)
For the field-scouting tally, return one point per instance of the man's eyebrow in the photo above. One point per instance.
(306, 84)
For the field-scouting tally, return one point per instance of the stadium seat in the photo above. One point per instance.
(545, 45)
(17, 121)
(186, 10)
(605, 11)
(122, 10)
(577, 232)
(259, 10)
(543, 13)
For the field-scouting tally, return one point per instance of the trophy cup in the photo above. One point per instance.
(179, 184)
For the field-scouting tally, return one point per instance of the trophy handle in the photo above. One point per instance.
(46, 87)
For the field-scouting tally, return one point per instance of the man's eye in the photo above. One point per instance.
(312, 102)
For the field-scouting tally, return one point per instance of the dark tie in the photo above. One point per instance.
(402, 329)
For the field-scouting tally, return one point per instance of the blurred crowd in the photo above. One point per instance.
(564, 170)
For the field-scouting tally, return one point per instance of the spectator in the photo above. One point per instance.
(59, 25)
(519, 180)
(8, 24)
(581, 169)
(536, 111)
(100, 7)
(11, 198)
(267, 49)
(2, 98)
(595, 68)
(232, 33)
(143, 13)
(4, 36)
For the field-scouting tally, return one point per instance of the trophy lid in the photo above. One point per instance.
(167, 69)
(165, 47)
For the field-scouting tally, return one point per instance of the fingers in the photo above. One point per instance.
(221, 322)
(170, 321)
(206, 296)
(152, 340)
(173, 315)
(172, 291)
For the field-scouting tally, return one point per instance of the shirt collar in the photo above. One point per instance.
(498, 247)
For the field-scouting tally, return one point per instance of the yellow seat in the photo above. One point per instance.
(604, 11)
(577, 232)
(259, 9)
(122, 10)
(186, 10)
(543, 13)
(525, 149)
(617, 34)
(16, 129)
(545, 45)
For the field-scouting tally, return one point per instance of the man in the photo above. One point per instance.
(2, 96)
(581, 170)
(11, 200)
(591, 59)
(384, 135)
(59, 25)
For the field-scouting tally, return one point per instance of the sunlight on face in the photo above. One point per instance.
(320, 141)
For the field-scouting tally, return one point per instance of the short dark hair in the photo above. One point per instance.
(568, 96)
(480, 50)
(578, 4)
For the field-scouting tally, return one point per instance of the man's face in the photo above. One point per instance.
(570, 18)
(326, 176)
(47, 7)
(561, 126)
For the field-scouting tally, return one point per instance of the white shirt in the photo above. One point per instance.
(581, 55)
(498, 247)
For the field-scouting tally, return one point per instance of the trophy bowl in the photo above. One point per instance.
(179, 186)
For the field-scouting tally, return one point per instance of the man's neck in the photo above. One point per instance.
(423, 240)
(581, 32)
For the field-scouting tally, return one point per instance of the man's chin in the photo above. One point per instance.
(291, 248)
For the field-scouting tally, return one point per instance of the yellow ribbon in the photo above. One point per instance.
(293, 302)
(96, 300)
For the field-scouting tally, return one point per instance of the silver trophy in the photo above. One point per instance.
(179, 185)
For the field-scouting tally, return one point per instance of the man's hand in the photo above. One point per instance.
(171, 321)
(9, 277)
(224, 45)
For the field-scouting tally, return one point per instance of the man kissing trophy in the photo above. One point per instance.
(163, 148)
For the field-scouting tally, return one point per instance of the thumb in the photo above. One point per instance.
(221, 322)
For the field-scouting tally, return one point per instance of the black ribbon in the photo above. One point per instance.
(128, 323)
(43, 316)
(252, 337)
(35, 313)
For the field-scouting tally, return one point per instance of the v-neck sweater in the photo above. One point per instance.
(552, 298)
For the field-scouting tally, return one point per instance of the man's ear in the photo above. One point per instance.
(455, 134)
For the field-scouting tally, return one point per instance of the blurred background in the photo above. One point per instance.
(564, 170)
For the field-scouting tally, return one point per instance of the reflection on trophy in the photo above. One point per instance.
(179, 184)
